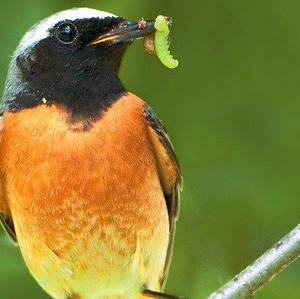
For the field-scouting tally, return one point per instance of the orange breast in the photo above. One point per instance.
(66, 187)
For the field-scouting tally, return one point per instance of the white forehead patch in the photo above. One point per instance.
(41, 30)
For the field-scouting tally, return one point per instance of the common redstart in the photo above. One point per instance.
(89, 180)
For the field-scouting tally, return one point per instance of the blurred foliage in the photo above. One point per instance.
(232, 110)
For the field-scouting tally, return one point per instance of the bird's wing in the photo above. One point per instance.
(5, 217)
(169, 173)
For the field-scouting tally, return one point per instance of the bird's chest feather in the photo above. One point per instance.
(70, 188)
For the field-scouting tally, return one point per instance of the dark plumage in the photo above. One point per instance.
(84, 79)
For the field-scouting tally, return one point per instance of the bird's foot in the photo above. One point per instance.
(157, 295)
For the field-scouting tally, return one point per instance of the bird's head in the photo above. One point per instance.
(72, 59)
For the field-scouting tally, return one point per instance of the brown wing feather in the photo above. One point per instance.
(5, 218)
(170, 176)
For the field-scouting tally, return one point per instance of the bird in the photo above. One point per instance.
(89, 181)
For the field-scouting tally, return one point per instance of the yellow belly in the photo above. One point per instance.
(99, 264)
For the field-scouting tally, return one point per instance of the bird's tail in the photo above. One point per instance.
(147, 294)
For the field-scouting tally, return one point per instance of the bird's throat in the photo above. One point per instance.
(84, 97)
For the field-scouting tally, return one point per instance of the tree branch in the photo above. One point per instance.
(258, 274)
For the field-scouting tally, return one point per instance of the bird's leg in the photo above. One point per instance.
(157, 295)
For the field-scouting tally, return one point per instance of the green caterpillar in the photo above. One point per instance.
(162, 43)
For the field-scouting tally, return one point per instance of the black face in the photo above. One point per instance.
(66, 69)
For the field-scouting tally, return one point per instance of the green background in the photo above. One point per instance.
(232, 110)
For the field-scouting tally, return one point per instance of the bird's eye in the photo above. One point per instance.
(66, 33)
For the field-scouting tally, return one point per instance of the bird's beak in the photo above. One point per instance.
(127, 31)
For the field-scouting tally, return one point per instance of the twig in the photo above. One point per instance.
(255, 276)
